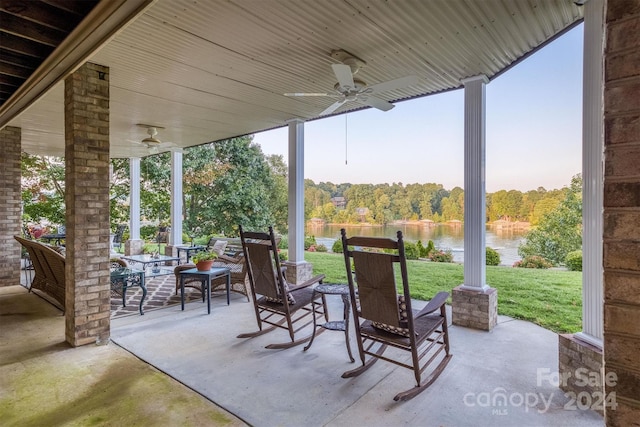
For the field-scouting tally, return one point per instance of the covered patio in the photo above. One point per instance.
(245, 384)
(202, 72)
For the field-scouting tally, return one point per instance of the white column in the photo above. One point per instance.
(175, 236)
(134, 198)
(592, 173)
(296, 191)
(474, 183)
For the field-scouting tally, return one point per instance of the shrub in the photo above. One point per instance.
(309, 241)
(422, 251)
(533, 261)
(321, 248)
(148, 232)
(440, 255)
(430, 248)
(284, 242)
(573, 261)
(282, 255)
(337, 246)
(411, 250)
(493, 257)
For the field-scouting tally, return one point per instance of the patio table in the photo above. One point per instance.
(156, 262)
(207, 275)
(188, 250)
(124, 278)
(335, 325)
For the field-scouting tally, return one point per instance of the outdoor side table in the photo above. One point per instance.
(336, 325)
(124, 278)
(208, 275)
(189, 250)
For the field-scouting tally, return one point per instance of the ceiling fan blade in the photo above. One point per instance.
(392, 84)
(333, 107)
(307, 94)
(344, 76)
(378, 103)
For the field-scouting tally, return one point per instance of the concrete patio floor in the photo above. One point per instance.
(250, 384)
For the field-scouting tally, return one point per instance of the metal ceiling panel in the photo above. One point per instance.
(216, 69)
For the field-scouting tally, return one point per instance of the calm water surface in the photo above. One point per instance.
(443, 236)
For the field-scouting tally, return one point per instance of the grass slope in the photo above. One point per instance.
(549, 298)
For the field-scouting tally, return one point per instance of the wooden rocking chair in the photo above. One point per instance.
(278, 304)
(384, 317)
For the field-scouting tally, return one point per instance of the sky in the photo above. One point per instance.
(533, 132)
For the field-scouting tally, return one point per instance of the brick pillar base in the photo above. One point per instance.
(171, 250)
(133, 247)
(475, 309)
(579, 364)
(298, 273)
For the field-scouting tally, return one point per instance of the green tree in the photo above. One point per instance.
(279, 200)
(119, 190)
(559, 231)
(243, 193)
(314, 198)
(155, 193)
(43, 188)
(200, 170)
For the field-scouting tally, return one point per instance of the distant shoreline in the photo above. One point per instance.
(499, 225)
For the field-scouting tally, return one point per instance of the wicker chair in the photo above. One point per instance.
(276, 303)
(386, 316)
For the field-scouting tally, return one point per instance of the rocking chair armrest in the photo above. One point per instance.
(317, 279)
(436, 302)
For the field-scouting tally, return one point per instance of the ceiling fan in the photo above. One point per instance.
(153, 144)
(349, 89)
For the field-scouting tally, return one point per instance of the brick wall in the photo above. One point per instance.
(10, 206)
(87, 205)
(622, 210)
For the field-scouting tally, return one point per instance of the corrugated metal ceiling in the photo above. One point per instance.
(215, 69)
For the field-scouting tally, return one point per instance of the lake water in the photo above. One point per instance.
(444, 237)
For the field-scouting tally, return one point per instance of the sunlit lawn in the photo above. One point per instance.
(549, 298)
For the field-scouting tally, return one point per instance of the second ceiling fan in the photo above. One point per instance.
(349, 89)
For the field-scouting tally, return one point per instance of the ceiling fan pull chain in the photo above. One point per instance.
(346, 139)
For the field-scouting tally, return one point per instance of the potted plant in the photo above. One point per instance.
(204, 260)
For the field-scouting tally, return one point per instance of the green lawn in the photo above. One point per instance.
(549, 298)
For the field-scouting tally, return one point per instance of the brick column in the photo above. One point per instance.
(87, 205)
(10, 220)
(621, 255)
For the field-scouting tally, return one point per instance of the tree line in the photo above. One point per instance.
(385, 203)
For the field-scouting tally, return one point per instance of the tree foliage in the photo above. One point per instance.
(43, 189)
(386, 203)
(244, 193)
(560, 230)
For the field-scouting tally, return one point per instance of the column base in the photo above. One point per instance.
(580, 368)
(171, 250)
(133, 247)
(476, 309)
(298, 272)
